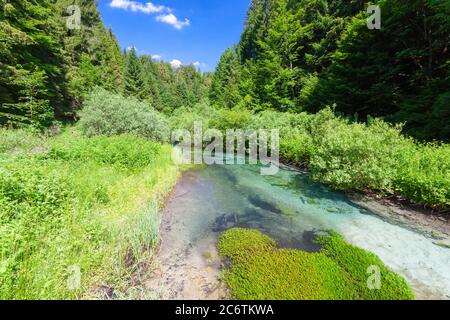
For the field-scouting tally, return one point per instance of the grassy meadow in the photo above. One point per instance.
(70, 201)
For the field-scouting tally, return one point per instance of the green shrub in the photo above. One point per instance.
(231, 119)
(285, 122)
(28, 187)
(33, 204)
(126, 151)
(425, 175)
(185, 118)
(261, 271)
(298, 148)
(105, 113)
(358, 157)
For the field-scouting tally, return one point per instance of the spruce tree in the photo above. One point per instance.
(133, 80)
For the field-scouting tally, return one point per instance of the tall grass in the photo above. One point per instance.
(74, 201)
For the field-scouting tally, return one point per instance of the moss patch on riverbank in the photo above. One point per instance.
(260, 270)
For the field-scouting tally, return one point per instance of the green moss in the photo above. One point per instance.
(239, 244)
(262, 271)
(356, 261)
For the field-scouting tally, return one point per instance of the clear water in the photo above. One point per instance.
(288, 207)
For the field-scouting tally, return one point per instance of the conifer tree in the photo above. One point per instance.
(133, 80)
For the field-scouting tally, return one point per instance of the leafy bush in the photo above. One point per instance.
(25, 187)
(125, 151)
(34, 203)
(358, 157)
(425, 174)
(231, 119)
(297, 148)
(185, 118)
(106, 113)
(261, 271)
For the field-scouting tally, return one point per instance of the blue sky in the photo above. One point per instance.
(188, 31)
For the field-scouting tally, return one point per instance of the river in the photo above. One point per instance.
(288, 207)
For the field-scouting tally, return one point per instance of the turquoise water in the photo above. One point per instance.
(289, 208)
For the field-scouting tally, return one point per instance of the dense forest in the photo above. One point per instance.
(47, 68)
(294, 55)
(304, 55)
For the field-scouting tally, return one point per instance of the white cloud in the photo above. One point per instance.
(171, 19)
(199, 64)
(137, 6)
(157, 57)
(166, 15)
(176, 63)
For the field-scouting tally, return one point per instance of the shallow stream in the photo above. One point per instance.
(288, 207)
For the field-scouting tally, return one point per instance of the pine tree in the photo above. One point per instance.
(29, 75)
(224, 90)
(133, 80)
(306, 54)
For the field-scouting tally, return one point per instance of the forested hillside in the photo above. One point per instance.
(46, 68)
(302, 55)
(162, 86)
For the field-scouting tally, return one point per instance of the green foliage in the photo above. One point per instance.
(92, 56)
(18, 142)
(231, 119)
(170, 89)
(125, 151)
(425, 174)
(31, 190)
(133, 76)
(356, 156)
(298, 149)
(261, 271)
(109, 114)
(28, 44)
(46, 68)
(224, 90)
(185, 118)
(34, 205)
(307, 54)
(403, 71)
(75, 205)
